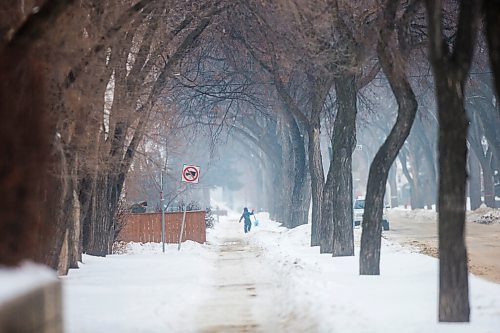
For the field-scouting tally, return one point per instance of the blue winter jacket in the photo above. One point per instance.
(246, 216)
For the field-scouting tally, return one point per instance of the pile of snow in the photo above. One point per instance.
(404, 298)
(418, 215)
(155, 248)
(484, 215)
(17, 281)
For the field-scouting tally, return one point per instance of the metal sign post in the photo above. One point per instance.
(190, 175)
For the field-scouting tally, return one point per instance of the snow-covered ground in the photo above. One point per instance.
(142, 291)
(418, 230)
(267, 281)
(17, 281)
(404, 298)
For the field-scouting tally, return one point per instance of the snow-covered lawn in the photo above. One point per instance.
(142, 291)
(404, 298)
(148, 291)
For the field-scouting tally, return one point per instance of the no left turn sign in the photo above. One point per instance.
(190, 174)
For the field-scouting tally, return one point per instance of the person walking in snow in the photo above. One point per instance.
(246, 216)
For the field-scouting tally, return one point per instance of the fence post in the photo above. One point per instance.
(182, 228)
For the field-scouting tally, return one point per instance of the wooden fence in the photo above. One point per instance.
(146, 227)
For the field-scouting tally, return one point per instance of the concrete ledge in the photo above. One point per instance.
(37, 311)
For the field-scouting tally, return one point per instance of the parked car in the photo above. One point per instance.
(359, 209)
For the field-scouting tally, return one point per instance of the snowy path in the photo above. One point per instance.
(247, 295)
(270, 280)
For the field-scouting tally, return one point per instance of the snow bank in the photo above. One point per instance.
(418, 215)
(402, 299)
(484, 215)
(156, 248)
(16, 281)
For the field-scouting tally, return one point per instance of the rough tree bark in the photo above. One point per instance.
(297, 125)
(25, 134)
(451, 69)
(301, 187)
(287, 175)
(320, 89)
(393, 65)
(336, 230)
(343, 144)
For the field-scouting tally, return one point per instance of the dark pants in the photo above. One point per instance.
(248, 226)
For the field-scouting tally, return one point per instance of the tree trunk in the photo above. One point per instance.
(287, 175)
(336, 218)
(100, 222)
(86, 192)
(273, 188)
(453, 282)
(409, 178)
(63, 260)
(69, 216)
(430, 188)
(485, 158)
(75, 252)
(474, 181)
(319, 92)
(488, 183)
(381, 164)
(59, 187)
(276, 194)
(451, 70)
(24, 147)
(317, 180)
(417, 200)
(301, 190)
(326, 225)
(297, 213)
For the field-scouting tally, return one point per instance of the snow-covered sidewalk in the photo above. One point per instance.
(404, 298)
(267, 281)
(248, 294)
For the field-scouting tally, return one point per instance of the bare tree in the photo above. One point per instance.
(392, 58)
(451, 69)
